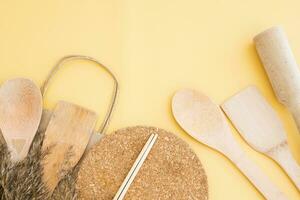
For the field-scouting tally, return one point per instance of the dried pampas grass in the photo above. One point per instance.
(23, 180)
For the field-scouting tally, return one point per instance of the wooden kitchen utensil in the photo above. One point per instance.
(204, 121)
(258, 123)
(97, 135)
(278, 60)
(66, 137)
(69, 130)
(135, 168)
(20, 115)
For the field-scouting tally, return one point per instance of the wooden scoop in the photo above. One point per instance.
(66, 138)
(258, 123)
(205, 121)
(20, 115)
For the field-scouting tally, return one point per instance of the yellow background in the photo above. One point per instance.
(154, 47)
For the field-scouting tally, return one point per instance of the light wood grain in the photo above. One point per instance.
(204, 121)
(135, 167)
(95, 137)
(20, 115)
(278, 60)
(66, 137)
(261, 127)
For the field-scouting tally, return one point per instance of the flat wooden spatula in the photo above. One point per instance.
(205, 121)
(261, 127)
(20, 115)
(66, 138)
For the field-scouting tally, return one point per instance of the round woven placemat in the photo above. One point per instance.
(171, 171)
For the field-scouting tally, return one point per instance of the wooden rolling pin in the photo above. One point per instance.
(279, 62)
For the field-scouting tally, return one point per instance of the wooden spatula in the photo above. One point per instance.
(258, 123)
(20, 115)
(205, 121)
(66, 138)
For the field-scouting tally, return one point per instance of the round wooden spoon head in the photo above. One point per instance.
(201, 118)
(20, 115)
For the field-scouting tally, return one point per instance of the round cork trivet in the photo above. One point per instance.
(171, 171)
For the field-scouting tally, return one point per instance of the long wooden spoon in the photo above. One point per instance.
(20, 115)
(261, 127)
(205, 121)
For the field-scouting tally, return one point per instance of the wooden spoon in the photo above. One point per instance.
(261, 127)
(20, 115)
(205, 121)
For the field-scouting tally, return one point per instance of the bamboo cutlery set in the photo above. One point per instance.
(154, 163)
(257, 123)
(251, 114)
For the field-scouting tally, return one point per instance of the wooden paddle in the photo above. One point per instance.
(20, 115)
(205, 121)
(97, 135)
(66, 138)
(258, 123)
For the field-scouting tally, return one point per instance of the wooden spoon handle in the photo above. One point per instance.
(283, 156)
(277, 57)
(269, 190)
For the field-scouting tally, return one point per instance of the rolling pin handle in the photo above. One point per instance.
(278, 60)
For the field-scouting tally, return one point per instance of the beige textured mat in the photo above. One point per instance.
(171, 171)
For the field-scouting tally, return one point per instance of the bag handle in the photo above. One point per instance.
(65, 59)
